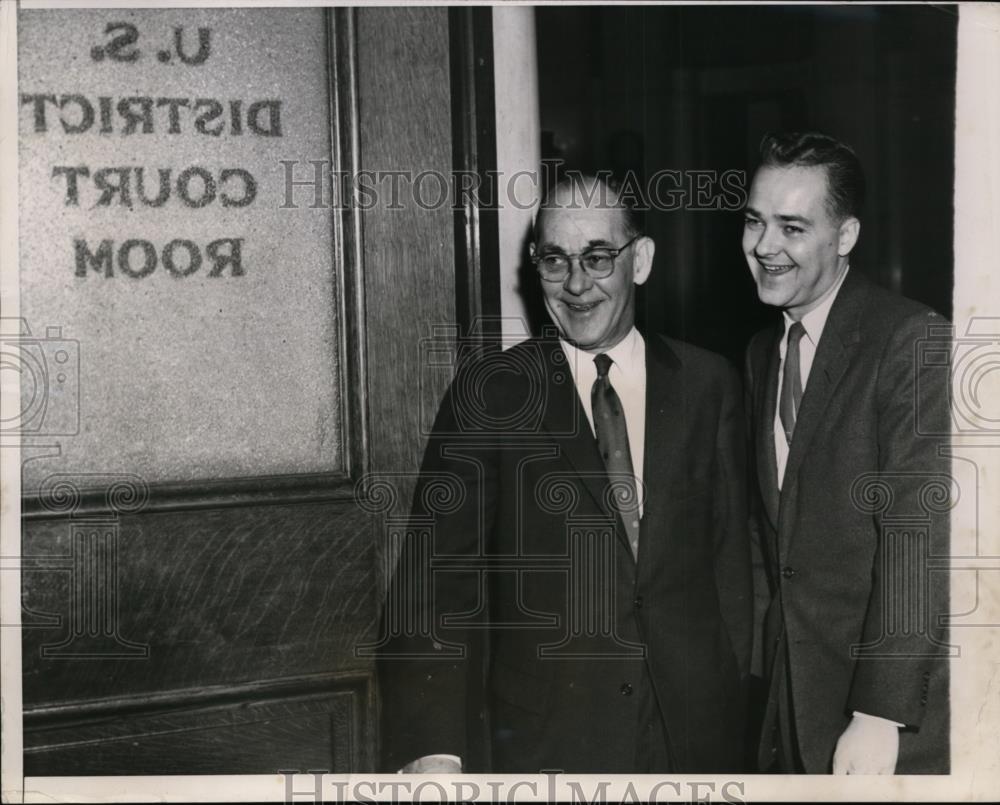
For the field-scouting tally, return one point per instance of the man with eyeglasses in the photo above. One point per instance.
(602, 473)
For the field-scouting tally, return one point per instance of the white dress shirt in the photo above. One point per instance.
(813, 322)
(628, 377)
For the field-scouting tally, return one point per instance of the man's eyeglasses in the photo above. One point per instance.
(598, 263)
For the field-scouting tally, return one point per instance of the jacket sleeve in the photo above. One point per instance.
(903, 641)
(429, 671)
(761, 585)
(732, 543)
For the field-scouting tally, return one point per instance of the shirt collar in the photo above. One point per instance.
(815, 320)
(628, 354)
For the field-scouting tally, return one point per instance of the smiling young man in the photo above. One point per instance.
(602, 473)
(851, 641)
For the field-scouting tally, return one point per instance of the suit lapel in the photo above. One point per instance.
(664, 417)
(566, 420)
(840, 338)
(767, 402)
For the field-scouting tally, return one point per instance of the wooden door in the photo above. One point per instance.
(216, 624)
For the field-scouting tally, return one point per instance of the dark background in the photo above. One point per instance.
(648, 88)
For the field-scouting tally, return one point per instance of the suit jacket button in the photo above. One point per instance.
(625, 689)
(637, 602)
(787, 572)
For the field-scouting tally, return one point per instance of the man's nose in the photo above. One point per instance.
(767, 243)
(577, 281)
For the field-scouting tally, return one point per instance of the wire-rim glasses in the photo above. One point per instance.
(597, 263)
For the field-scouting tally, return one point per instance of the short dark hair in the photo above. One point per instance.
(577, 182)
(844, 174)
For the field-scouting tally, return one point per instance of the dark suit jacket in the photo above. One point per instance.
(845, 543)
(583, 643)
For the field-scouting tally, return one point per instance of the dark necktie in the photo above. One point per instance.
(791, 381)
(612, 441)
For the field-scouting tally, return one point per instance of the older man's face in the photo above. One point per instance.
(594, 314)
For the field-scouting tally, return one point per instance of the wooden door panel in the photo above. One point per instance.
(250, 732)
(213, 626)
(216, 597)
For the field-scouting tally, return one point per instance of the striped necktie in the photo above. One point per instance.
(791, 382)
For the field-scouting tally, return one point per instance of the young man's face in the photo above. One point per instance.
(593, 314)
(794, 247)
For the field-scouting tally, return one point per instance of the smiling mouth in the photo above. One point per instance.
(774, 269)
(578, 308)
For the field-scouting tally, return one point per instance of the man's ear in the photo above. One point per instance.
(850, 228)
(642, 263)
